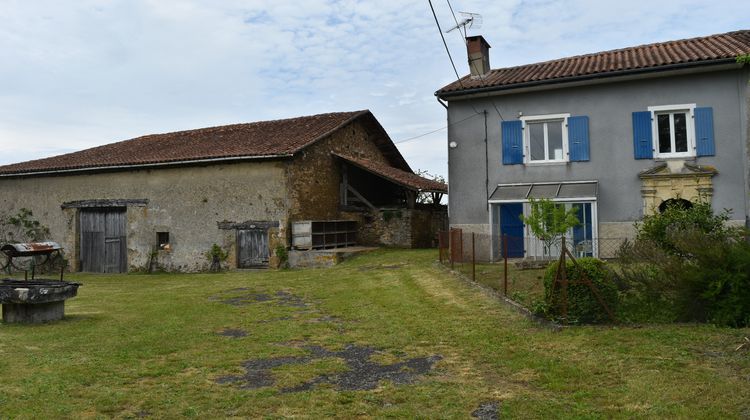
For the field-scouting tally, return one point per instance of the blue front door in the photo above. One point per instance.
(511, 228)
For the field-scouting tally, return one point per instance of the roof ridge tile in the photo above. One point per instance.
(653, 55)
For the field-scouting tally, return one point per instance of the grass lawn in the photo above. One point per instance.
(524, 286)
(312, 343)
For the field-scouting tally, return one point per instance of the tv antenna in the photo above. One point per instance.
(468, 21)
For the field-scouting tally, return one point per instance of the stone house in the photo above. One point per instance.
(163, 200)
(616, 134)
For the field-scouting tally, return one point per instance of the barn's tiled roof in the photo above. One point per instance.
(398, 176)
(263, 139)
(695, 51)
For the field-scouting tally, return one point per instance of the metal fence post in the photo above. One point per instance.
(564, 281)
(451, 246)
(505, 265)
(473, 260)
(440, 246)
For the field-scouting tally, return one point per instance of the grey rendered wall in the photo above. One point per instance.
(609, 107)
(187, 202)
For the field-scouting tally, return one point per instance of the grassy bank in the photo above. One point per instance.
(293, 343)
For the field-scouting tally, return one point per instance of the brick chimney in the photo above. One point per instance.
(479, 55)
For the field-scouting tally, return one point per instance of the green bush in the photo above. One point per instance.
(716, 281)
(583, 306)
(216, 255)
(283, 255)
(687, 265)
(661, 227)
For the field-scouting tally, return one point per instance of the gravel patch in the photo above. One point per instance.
(243, 297)
(487, 411)
(232, 333)
(363, 374)
(381, 267)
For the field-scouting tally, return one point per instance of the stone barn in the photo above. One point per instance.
(162, 201)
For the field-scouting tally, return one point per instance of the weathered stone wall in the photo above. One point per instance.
(425, 225)
(187, 202)
(314, 178)
(314, 175)
(401, 228)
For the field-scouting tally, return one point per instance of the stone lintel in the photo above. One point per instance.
(116, 202)
(250, 224)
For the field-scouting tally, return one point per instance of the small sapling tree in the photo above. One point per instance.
(549, 221)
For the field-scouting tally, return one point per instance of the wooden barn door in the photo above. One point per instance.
(252, 248)
(103, 240)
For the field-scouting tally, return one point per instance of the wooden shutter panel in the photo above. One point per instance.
(578, 138)
(643, 144)
(704, 132)
(512, 133)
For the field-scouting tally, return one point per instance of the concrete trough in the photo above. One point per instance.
(36, 301)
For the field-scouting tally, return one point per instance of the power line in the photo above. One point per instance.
(481, 77)
(456, 20)
(435, 130)
(440, 30)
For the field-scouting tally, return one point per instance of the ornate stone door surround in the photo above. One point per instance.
(675, 179)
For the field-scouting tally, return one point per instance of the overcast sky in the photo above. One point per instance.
(76, 74)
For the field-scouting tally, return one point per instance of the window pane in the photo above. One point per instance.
(680, 132)
(536, 140)
(665, 141)
(554, 140)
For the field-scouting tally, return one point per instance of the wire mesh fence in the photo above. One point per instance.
(514, 266)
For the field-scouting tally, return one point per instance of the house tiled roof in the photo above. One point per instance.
(263, 139)
(694, 51)
(398, 176)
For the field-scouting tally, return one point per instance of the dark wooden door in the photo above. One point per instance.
(103, 240)
(252, 248)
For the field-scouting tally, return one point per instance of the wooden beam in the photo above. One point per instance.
(345, 181)
(360, 197)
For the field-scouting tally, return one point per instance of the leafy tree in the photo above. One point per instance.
(430, 197)
(549, 221)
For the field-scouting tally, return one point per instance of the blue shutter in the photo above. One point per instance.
(704, 131)
(643, 146)
(512, 133)
(578, 139)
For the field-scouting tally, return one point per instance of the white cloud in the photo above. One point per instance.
(84, 73)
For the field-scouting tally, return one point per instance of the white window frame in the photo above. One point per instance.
(533, 243)
(492, 205)
(689, 109)
(527, 141)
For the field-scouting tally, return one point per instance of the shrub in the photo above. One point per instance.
(716, 280)
(660, 227)
(283, 255)
(216, 255)
(583, 306)
(647, 294)
(687, 265)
